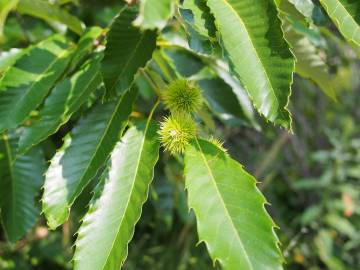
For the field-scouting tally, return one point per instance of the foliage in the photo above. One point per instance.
(97, 87)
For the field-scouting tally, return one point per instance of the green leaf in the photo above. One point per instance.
(86, 44)
(24, 86)
(127, 50)
(201, 18)
(305, 7)
(155, 13)
(199, 25)
(346, 16)
(83, 153)
(20, 182)
(50, 13)
(222, 101)
(5, 7)
(223, 71)
(309, 63)
(65, 99)
(230, 213)
(252, 36)
(111, 220)
(7, 59)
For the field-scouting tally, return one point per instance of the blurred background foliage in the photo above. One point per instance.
(311, 177)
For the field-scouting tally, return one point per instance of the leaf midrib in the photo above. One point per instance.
(131, 191)
(128, 62)
(31, 86)
(97, 147)
(64, 117)
(224, 205)
(254, 48)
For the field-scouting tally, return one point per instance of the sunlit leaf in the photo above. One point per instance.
(85, 150)
(253, 39)
(346, 16)
(65, 99)
(230, 213)
(154, 13)
(111, 220)
(24, 86)
(50, 12)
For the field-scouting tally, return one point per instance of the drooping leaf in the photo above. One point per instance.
(50, 12)
(154, 13)
(253, 39)
(127, 50)
(83, 153)
(230, 213)
(346, 16)
(20, 182)
(24, 86)
(65, 99)
(111, 220)
(5, 7)
(309, 63)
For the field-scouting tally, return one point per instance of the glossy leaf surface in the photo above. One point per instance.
(24, 86)
(111, 220)
(252, 36)
(64, 100)
(83, 153)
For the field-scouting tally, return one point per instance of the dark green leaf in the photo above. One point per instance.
(222, 101)
(86, 44)
(83, 153)
(20, 182)
(24, 86)
(64, 100)
(155, 13)
(127, 50)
